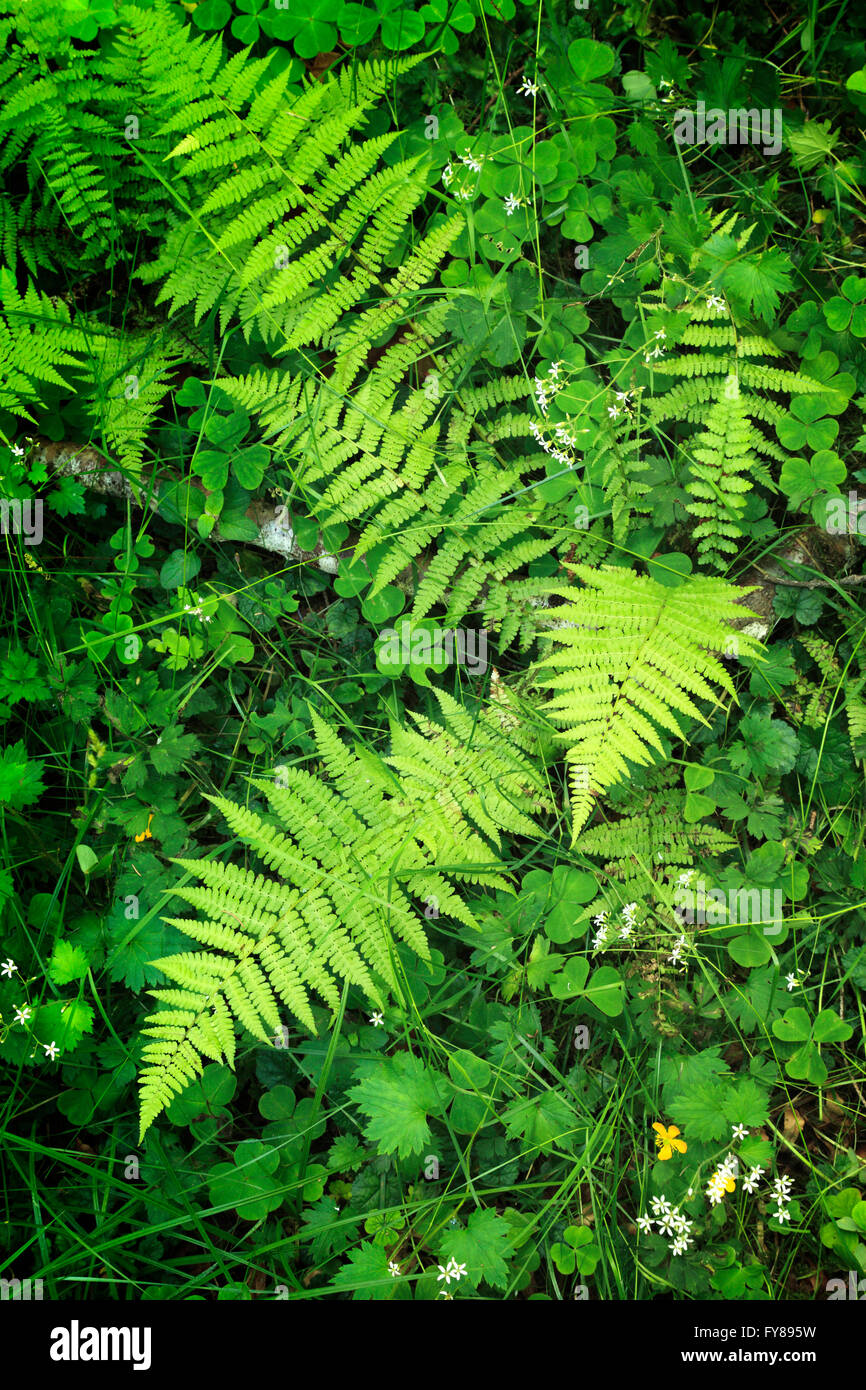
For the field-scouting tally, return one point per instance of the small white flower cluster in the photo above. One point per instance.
(716, 303)
(600, 938)
(792, 982)
(512, 203)
(563, 439)
(19, 450)
(563, 443)
(781, 1195)
(607, 932)
(22, 1014)
(197, 612)
(675, 957)
(670, 1222)
(628, 919)
(752, 1180)
(448, 1272)
(720, 1182)
(527, 88)
(658, 349)
(624, 399)
(474, 165)
(547, 387)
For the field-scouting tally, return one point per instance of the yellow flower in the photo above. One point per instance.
(667, 1141)
(147, 835)
(31, 563)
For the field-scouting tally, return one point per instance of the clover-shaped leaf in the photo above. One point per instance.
(571, 979)
(590, 59)
(471, 1077)
(570, 889)
(245, 27)
(749, 950)
(848, 309)
(794, 1026)
(807, 426)
(358, 23)
(605, 991)
(307, 25)
(806, 1063)
(248, 1184)
(604, 988)
(212, 14)
(206, 1096)
(387, 603)
(278, 1104)
(249, 465)
(414, 647)
(837, 387)
(456, 18)
(401, 28)
(576, 1250)
(353, 579)
(829, 1027)
(801, 480)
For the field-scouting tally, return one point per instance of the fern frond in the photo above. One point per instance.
(349, 853)
(628, 659)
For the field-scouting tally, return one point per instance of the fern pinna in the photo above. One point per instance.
(350, 849)
(626, 658)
